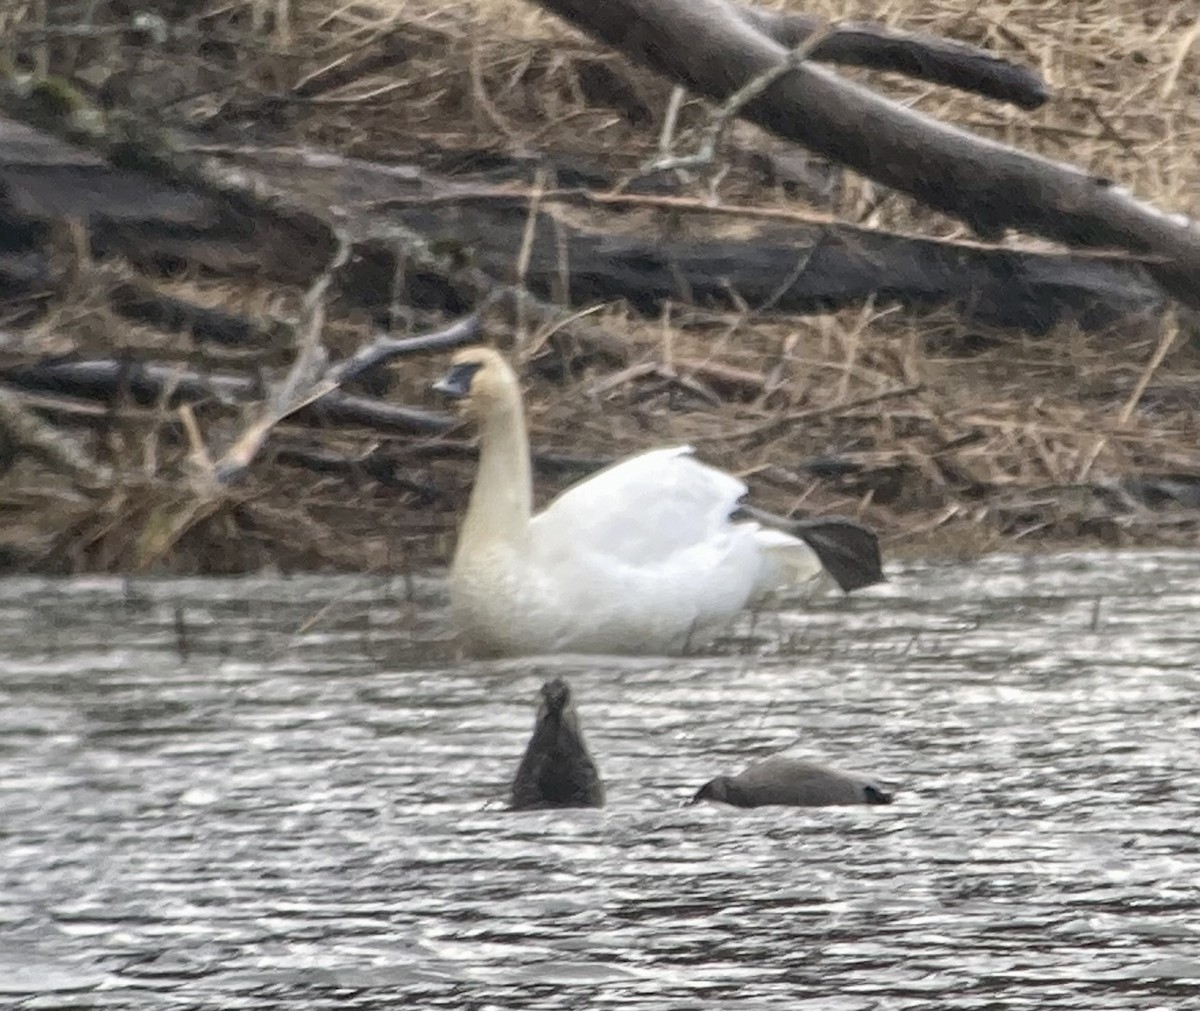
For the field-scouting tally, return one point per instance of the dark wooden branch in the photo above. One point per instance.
(710, 48)
(391, 467)
(189, 211)
(107, 380)
(141, 302)
(842, 265)
(797, 268)
(925, 57)
(1007, 288)
(390, 473)
(385, 348)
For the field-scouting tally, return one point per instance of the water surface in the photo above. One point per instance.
(286, 793)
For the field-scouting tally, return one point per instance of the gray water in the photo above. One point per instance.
(287, 793)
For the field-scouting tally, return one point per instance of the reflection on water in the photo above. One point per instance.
(269, 793)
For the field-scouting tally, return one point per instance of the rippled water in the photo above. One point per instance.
(285, 793)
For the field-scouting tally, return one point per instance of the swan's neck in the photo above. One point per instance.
(502, 499)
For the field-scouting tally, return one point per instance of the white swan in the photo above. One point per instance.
(641, 557)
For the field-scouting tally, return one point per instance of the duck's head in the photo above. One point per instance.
(556, 696)
(480, 380)
(715, 789)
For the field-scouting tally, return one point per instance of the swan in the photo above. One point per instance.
(641, 557)
(790, 781)
(556, 770)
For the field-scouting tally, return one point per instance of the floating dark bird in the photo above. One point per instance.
(790, 781)
(557, 770)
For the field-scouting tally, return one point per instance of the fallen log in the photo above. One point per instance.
(802, 268)
(797, 269)
(794, 265)
(232, 225)
(707, 46)
(843, 265)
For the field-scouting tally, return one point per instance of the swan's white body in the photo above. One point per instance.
(640, 558)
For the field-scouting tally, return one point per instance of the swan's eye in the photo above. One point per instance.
(457, 382)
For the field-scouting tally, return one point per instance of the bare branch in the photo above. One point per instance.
(106, 379)
(925, 57)
(302, 388)
(709, 47)
(24, 431)
(706, 154)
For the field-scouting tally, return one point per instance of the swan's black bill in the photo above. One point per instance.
(457, 382)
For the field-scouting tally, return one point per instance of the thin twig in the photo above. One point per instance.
(775, 425)
(666, 136)
(197, 450)
(705, 155)
(60, 452)
(1170, 331)
(235, 461)
(1186, 41)
(525, 253)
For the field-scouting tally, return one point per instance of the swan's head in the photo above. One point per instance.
(481, 380)
(715, 789)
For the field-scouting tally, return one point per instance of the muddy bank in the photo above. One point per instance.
(172, 289)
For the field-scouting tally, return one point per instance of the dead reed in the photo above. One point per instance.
(942, 438)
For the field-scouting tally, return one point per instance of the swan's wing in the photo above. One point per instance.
(643, 554)
(642, 510)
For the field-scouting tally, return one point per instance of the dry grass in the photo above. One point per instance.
(957, 438)
(503, 75)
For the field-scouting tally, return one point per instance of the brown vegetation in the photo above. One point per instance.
(940, 432)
